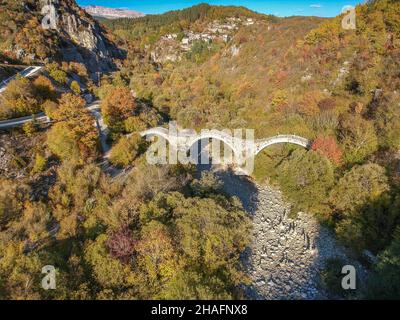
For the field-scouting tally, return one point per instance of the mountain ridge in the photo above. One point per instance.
(111, 13)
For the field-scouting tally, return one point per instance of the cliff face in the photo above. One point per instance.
(84, 40)
(76, 36)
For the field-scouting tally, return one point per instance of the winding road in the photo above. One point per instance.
(26, 73)
(94, 109)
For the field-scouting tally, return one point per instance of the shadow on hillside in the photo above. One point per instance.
(99, 61)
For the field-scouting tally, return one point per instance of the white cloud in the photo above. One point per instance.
(317, 6)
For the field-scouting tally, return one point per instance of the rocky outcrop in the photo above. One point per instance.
(84, 40)
(73, 36)
(165, 51)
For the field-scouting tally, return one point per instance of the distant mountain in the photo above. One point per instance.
(111, 13)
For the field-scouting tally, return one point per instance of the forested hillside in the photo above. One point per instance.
(310, 77)
(155, 233)
(116, 227)
(150, 28)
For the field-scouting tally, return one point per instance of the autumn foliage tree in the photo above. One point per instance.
(75, 87)
(12, 198)
(358, 137)
(44, 89)
(126, 150)
(57, 73)
(361, 202)
(308, 104)
(18, 99)
(305, 178)
(74, 125)
(328, 147)
(25, 97)
(117, 106)
(121, 244)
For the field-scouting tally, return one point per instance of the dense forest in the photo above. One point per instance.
(166, 232)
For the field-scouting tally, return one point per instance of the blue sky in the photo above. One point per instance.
(323, 8)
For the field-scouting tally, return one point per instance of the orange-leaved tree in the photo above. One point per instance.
(117, 106)
(73, 121)
(329, 147)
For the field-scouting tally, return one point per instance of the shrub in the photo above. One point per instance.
(308, 104)
(79, 69)
(332, 277)
(361, 203)
(305, 178)
(385, 282)
(126, 150)
(60, 76)
(360, 185)
(75, 87)
(134, 124)
(29, 128)
(327, 104)
(358, 137)
(44, 89)
(279, 100)
(354, 86)
(50, 108)
(40, 164)
(56, 73)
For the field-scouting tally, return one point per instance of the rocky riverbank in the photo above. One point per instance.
(287, 254)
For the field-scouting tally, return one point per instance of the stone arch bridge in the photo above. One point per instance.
(184, 140)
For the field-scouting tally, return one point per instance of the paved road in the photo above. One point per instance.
(16, 122)
(94, 109)
(28, 72)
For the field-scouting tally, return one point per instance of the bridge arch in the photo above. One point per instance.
(159, 132)
(217, 135)
(293, 139)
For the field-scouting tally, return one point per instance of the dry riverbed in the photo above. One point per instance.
(287, 254)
